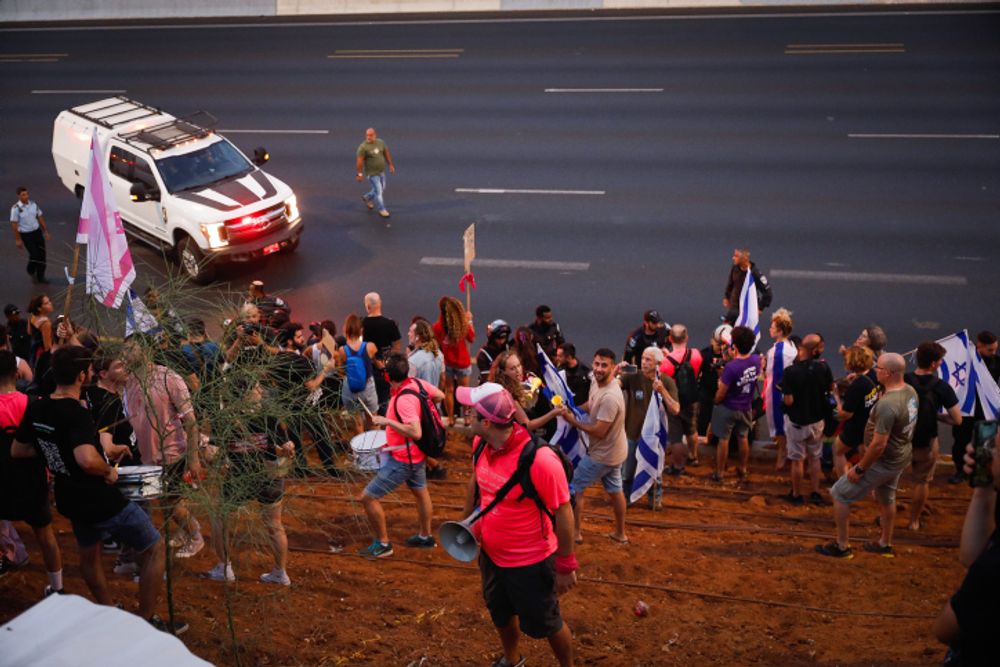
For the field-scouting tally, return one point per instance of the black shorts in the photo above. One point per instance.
(528, 592)
(241, 485)
(173, 479)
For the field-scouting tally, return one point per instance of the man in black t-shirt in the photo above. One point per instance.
(804, 387)
(546, 330)
(968, 622)
(384, 333)
(497, 340)
(61, 430)
(576, 374)
(934, 395)
(652, 332)
(17, 331)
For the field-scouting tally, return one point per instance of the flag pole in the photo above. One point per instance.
(72, 281)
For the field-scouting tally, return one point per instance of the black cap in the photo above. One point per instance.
(11, 309)
(653, 317)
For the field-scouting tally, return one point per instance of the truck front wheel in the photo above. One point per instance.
(193, 262)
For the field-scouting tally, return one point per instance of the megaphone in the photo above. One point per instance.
(457, 539)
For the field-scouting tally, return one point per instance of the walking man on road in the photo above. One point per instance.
(28, 223)
(373, 158)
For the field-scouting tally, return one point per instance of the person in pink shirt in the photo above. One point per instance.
(683, 364)
(158, 405)
(526, 559)
(402, 460)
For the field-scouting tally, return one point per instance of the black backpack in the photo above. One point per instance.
(687, 382)
(522, 475)
(432, 433)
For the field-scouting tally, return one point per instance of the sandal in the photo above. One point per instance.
(614, 538)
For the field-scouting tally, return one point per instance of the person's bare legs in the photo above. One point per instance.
(448, 387)
(744, 449)
(618, 507)
(782, 456)
(841, 516)
(218, 538)
(562, 646)
(424, 510)
(721, 454)
(376, 516)
(510, 638)
(577, 514)
(888, 518)
(151, 564)
(276, 534)
(50, 547)
(93, 573)
(815, 472)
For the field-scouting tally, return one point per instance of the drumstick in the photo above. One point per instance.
(366, 409)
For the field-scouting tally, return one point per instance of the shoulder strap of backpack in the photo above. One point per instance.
(524, 461)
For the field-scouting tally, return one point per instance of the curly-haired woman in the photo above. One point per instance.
(454, 332)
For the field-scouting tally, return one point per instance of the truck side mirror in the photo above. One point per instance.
(260, 156)
(140, 192)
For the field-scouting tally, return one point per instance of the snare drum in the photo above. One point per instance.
(140, 482)
(365, 448)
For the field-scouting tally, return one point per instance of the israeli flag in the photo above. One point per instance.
(957, 370)
(652, 448)
(986, 387)
(137, 316)
(749, 313)
(572, 441)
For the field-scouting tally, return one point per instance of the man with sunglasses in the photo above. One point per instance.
(888, 450)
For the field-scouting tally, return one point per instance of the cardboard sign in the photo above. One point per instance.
(469, 241)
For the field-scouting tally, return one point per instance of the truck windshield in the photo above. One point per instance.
(201, 168)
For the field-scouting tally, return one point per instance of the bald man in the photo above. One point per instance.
(372, 159)
(804, 387)
(888, 447)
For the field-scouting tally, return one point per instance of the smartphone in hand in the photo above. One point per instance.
(984, 440)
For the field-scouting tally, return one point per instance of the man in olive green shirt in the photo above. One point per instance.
(373, 158)
(887, 452)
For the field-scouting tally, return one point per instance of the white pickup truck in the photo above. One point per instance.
(179, 185)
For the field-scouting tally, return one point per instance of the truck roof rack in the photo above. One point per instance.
(173, 132)
(117, 111)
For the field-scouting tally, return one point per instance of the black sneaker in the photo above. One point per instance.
(421, 542)
(957, 478)
(876, 548)
(6, 566)
(179, 628)
(797, 501)
(111, 547)
(833, 550)
(816, 499)
(715, 477)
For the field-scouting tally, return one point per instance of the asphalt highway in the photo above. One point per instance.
(856, 155)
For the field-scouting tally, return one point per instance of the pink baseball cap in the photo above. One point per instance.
(491, 401)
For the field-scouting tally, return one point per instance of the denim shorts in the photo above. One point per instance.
(589, 471)
(392, 473)
(457, 373)
(131, 526)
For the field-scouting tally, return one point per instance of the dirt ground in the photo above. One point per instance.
(729, 574)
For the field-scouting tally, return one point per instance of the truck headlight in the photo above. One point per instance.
(291, 208)
(216, 235)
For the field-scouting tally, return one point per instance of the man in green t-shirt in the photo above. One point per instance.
(888, 446)
(373, 157)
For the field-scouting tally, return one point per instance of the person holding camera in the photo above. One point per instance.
(967, 624)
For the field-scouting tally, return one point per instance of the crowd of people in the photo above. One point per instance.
(150, 400)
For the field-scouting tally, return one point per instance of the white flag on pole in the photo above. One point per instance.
(749, 313)
(651, 450)
(956, 370)
(110, 271)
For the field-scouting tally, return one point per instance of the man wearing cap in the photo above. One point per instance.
(652, 332)
(402, 460)
(28, 223)
(525, 561)
(17, 331)
(497, 341)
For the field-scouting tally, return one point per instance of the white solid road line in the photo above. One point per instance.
(275, 131)
(922, 136)
(506, 264)
(604, 90)
(897, 278)
(74, 92)
(499, 191)
(547, 19)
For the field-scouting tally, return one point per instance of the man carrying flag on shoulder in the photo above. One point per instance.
(732, 297)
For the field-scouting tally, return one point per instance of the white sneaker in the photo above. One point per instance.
(191, 547)
(178, 539)
(276, 576)
(221, 573)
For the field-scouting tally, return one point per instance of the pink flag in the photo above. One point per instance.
(109, 263)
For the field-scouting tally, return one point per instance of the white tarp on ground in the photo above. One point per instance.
(70, 631)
